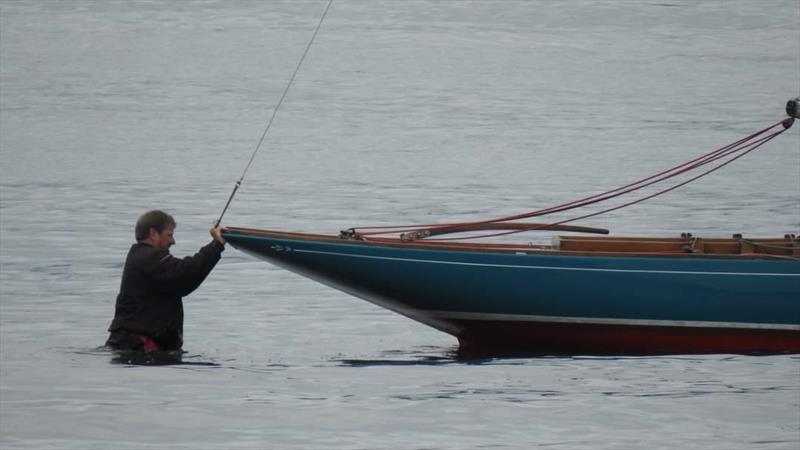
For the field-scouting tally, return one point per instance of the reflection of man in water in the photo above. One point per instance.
(149, 312)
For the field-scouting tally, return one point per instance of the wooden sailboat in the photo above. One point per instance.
(579, 295)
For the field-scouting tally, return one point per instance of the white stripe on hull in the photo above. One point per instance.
(605, 321)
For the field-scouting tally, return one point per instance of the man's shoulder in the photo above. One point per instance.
(145, 254)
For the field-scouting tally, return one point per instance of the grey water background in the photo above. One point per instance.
(409, 112)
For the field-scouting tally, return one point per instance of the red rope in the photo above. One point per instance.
(723, 152)
(753, 146)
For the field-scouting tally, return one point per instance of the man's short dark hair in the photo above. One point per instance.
(157, 220)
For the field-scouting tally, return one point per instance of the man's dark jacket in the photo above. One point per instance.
(153, 281)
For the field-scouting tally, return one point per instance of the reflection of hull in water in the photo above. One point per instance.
(598, 296)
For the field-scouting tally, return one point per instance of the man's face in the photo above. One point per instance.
(163, 240)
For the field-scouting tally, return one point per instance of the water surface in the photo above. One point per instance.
(403, 112)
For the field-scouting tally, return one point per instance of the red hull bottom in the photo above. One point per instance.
(482, 337)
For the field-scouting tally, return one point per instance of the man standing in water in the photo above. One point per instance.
(149, 311)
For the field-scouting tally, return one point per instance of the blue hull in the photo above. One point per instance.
(545, 302)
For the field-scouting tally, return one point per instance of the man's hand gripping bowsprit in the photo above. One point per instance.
(216, 233)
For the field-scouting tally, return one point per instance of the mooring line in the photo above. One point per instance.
(274, 113)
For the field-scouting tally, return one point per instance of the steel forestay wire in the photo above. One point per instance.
(274, 113)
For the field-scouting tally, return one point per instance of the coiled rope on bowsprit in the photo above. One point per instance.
(274, 113)
(722, 156)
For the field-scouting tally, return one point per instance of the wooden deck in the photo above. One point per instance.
(685, 245)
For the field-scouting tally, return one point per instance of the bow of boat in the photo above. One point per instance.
(599, 296)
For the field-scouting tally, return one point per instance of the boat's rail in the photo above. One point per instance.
(736, 245)
(686, 245)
